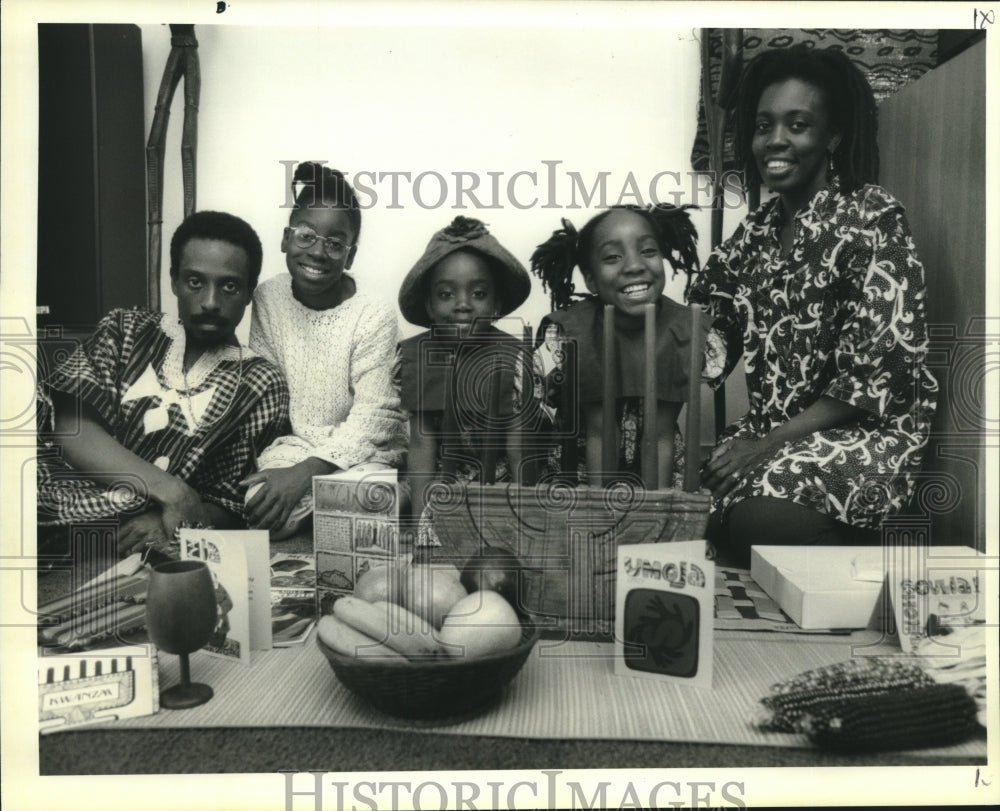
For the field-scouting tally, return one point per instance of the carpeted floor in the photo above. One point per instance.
(241, 750)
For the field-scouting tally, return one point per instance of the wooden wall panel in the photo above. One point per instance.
(932, 138)
(91, 173)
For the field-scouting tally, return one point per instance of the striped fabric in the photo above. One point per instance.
(889, 59)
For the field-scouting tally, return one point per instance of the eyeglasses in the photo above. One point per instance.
(305, 238)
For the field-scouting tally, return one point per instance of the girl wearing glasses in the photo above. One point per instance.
(335, 347)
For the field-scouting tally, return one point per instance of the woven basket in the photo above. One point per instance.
(437, 688)
(567, 538)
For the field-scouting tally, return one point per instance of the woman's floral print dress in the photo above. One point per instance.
(841, 315)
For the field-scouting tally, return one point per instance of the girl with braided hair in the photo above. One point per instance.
(822, 293)
(620, 253)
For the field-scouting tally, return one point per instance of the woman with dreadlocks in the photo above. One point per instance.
(620, 253)
(821, 291)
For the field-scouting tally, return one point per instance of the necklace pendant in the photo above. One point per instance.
(156, 419)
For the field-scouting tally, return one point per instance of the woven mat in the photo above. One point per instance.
(566, 690)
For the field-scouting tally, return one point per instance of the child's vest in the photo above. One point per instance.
(583, 323)
(436, 366)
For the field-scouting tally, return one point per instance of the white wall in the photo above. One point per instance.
(442, 99)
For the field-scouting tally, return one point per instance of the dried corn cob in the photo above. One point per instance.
(862, 670)
(910, 719)
(786, 709)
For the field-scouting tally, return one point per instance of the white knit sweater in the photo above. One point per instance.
(338, 364)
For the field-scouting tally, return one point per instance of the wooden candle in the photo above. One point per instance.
(609, 432)
(569, 420)
(525, 448)
(692, 460)
(492, 416)
(650, 424)
(449, 422)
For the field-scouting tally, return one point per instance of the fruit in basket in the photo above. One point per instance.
(430, 590)
(390, 624)
(480, 624)
(341, 637)
(495, 569)
(423, 561)
(380, 582)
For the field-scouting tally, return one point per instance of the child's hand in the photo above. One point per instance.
(282, 488)
(730, 462)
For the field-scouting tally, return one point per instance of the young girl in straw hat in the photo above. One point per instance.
(464, 281)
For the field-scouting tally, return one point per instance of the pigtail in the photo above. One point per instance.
(315, 184)
(678, 237)
(553, 262)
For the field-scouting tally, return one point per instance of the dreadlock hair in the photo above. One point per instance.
(849, 100)
(315, 185)
(554, 260)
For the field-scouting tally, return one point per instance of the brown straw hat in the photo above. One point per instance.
(464, 234)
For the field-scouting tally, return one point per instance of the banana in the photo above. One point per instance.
(390, 624)
(344, 639)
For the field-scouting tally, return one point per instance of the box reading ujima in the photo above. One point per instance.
(935, 587)
(355, 527)
(664, 600)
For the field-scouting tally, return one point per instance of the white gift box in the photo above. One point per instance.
(827, 587)
(816, 585)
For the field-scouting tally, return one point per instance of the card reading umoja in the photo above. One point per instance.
(664, 605)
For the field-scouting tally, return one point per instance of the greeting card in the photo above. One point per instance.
(238, 561)
(664, 607)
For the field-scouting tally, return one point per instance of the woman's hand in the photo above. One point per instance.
(731, 461)
(282, 488)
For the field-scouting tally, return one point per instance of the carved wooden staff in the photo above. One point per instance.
(181, 62)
